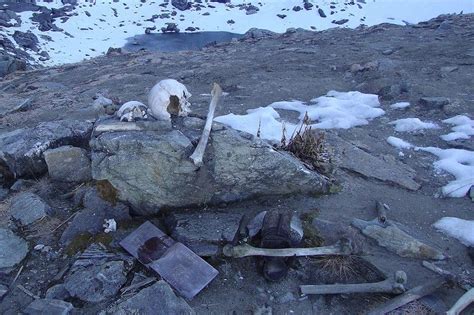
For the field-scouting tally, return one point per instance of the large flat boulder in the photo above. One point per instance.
(152, 170)
(21, 151)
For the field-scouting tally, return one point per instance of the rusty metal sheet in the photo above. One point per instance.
(185, 271)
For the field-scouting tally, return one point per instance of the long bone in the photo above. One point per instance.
(462, 303)
(198, 153)
(394, 284)
(341, 248)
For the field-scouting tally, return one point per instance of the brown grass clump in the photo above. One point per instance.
(341, 268)
(310, 147)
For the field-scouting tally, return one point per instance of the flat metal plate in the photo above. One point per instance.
(185, 271)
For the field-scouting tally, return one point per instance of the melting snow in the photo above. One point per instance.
(462, 230)
(399, 143)
(334, 110)
(463, 129)
(400, 105)
(460, 164)
(412, 124)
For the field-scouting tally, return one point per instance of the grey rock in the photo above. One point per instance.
(256, 33)
(96, 283)
(156, 299)
(434, 102)
(57, 291)
(321, 13)
(22, 184)
(396, 240)
(386, 170)
(3, 291)
(205, 232)
(3, 193)
(391, 92)
(448, 69)
(151, 170)
(12, 249)
(49, 306)
(97, 275)
(27, 208)
(21, 151)
(68, 164)
(26, 40)
(471, 193)
(181, 4)
(91, 219)
(10, 64)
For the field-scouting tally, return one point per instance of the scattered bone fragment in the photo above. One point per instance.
(390, 236)
(168, 97)
(464, 282)
(394, 285)
(342, 248)
(462, 303)
(132, 110)
(198, 153)
(408, 297)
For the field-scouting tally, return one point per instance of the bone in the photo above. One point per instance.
(408, 297)
(464, 282)
(342, 248)
(116, 126)
(462, 303)
(381, 212)
(198, 153)
(394, 285)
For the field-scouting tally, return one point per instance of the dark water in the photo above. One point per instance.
(177, 41)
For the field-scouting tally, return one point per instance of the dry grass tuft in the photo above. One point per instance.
(310, 147)
(338, 267)
(413, 308)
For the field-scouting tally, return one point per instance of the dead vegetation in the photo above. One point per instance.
(310, 147)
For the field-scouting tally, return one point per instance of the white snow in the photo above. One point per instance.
(400, 105)
(271, 127)
(463, 128)
(462, 230)
(412, 124)
(93, 35)
(399, 143)
(334, 110)
(460, 164)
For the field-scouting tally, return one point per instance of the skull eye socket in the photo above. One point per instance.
(173, 107)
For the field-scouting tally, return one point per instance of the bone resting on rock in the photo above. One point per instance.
(198, 153)
(168, 97)
(342, 248)
(394, 284)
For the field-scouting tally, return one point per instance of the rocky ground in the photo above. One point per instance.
(55, 222)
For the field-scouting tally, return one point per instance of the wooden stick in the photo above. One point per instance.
(462, 303)
(245, 250)
(198, 153)
(409, 296)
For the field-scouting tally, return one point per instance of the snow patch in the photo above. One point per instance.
(412, 124)
(400, 105)
(342, 110)
(460, 164)
(463, 128)
(462, 230)
(399, 143)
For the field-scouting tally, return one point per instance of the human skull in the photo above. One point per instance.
(131, 111)
(169, 97)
